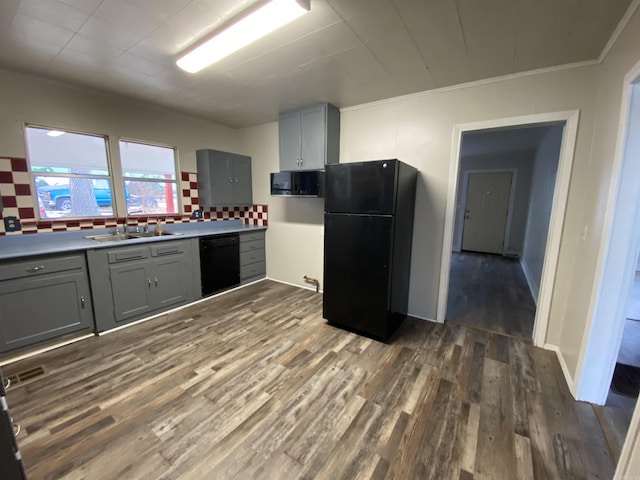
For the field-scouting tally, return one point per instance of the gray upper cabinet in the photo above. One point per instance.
(224, 179)
(43, 298)
(309, 138)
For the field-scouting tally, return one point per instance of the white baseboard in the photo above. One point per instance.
(426, 319)
(306, 287)
(565, 369)
(533, 288)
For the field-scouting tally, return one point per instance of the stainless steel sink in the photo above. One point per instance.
(152, 234)
(111, 237)
(119, 237)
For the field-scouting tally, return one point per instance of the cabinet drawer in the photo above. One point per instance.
(252, 256)
(40, 266)
(248, 246)
(250, 237)
(167, 248)
(253, 270)
(128, 254)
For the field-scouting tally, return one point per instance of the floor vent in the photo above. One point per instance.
(26, 376)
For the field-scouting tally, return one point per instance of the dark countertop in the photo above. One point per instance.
(20, 246)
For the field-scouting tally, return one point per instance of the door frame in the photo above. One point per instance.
(570, 119)
(615, 264)
(463, 201)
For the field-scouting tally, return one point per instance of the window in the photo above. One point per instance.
(70, 172)
(149, 174)
(72, 176)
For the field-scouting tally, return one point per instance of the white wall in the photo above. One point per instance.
(591, 185)
(294, 241)
(523, 163)
(418, 130)
(26, 99)
(539, 215)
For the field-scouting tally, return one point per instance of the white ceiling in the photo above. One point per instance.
(346, 52)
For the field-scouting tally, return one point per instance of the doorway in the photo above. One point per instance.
(547, 259)
(488, 288)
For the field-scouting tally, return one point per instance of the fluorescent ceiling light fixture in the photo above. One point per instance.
(54, 133)
(242, 31)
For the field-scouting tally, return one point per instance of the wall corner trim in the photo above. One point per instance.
(533, 288)
(619, 29)
(565, 369)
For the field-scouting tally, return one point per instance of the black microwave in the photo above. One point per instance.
(298, 184)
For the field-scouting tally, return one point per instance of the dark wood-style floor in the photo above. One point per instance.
(490, 292)
(254, 384)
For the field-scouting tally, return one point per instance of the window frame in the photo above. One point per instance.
(176, 168)
(33, 174)
(115, 176)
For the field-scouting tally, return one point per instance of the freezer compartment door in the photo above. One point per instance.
(361, 188)
(356, 273)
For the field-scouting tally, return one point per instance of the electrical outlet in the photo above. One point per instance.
(197, 213)
(11, 224)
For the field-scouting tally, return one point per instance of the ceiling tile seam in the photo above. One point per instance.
(272, 50)
(464, 38)
(475, 83)
(275, 49)
(364, 44)
(574, 19)
(346, 24)
(413, 41)
(516, 36)
(349, 75)
(619, 29)
(72, 37)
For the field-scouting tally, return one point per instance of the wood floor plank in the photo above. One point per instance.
(470, 445)
(438, 455)
(524, 463)
(495, 432)
(255, 384)
(490, 292)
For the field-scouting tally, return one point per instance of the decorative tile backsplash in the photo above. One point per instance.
(15, 188)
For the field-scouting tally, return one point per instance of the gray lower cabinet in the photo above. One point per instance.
(43, 298)
(130, 283)
(224, 179)
(252, 256)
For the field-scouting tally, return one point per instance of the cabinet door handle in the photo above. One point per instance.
(236, 180)
(82, 302)
(35, 269)
(230, 180)
(149, 282)
(155, 280)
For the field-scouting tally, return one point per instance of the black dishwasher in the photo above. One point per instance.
(219, 263)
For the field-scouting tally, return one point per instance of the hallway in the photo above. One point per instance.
(490, 292)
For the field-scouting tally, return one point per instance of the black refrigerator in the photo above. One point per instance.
(368, 223)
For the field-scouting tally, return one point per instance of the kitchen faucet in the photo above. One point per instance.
(126, 224)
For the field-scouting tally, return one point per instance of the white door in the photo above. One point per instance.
(486, 210)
